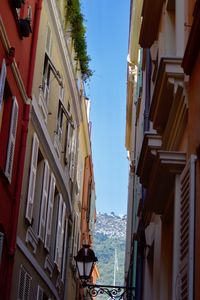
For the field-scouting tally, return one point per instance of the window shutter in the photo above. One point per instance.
(59, 230)
(73, 155)
(2, 81)
(32, 178)
(11, 141)
(64, 250)
(39, 293)
(48, 41)
(43, 207)
(50, 211)
(24, 284)
(69, 143)
(187, 208)
(61, 93)
(62, 236)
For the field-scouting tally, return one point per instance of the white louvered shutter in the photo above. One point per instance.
(24, 285)
(59, 230)
(11, 141)
(61, 93)
(48, 41)
(64, 250)
(50, 211)
(2, 81)
(32, 178)
(187, 216)
(39, 293)
(69, 144)
(62, 236)
(43, 207)
(73, 155)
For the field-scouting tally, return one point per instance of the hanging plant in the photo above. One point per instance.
(76, 20)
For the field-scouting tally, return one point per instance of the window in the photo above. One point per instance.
(24, 284)
(32, 178)
(43, 202)
(187, 215)
(50, 212)
(2, 81)
(40, 294)
(11, 140)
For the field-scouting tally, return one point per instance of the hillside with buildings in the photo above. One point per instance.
(109, 247)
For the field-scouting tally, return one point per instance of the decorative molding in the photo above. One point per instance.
(170, 75)
(32, 239)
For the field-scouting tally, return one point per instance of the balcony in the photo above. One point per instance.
(151, 143)
(170, 76)
(167, 164)
(151, 13)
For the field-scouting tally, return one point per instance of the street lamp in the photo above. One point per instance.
(85, 261)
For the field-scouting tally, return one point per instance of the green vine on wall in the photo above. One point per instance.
(76, 20)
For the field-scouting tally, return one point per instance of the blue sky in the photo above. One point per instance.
(107, 23)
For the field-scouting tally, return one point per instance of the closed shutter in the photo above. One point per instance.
(187, 207)
(43, 209)
(11, 141)
(24, 284)
(62, 236)
(61, 93)
(59, 229)
(32, 178)
(48, 41)
(69, 144)
(64, 250)
(73, 156)
(50, 211)
(2, 81)
(39, 293)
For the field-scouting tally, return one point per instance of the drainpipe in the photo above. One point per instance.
(38, 8)
(148, 90)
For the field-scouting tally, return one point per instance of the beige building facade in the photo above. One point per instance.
(162, 142)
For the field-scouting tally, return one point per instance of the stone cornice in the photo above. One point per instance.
(166, 166)
(151, 143)
(169, 75)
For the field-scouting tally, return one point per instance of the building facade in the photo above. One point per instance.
(49, 224)
(18, 35)
(162, 140)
